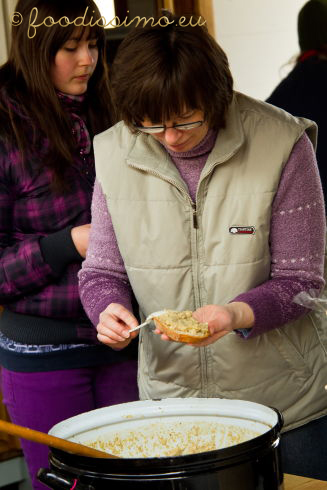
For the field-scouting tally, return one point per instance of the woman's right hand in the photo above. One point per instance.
(114, 325)
(80, 237)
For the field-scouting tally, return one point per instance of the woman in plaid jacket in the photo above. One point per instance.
(54, 96)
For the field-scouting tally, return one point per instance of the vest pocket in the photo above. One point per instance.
(251, 367)
(290, 353)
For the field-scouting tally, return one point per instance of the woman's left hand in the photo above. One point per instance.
(224, 319)
(221, 320)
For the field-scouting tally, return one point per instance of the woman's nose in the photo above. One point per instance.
(172, 135)
(86, 57)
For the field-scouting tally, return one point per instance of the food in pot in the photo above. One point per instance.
(182, 326)
(172, 439)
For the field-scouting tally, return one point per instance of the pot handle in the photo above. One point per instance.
(52, 480)
(280, 422)
(280, 419)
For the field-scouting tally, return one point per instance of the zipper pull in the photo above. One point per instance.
(195, 219)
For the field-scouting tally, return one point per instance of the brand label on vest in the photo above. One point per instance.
(242, 230)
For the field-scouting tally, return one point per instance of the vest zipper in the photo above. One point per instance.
(195, 221)
(203, 355)
(195, 218)
(197, 298)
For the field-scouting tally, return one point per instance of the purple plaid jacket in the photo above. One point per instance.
(29, 211)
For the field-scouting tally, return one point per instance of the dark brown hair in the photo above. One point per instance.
(28, 97)
(160, 71)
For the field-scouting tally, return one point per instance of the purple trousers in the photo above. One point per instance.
(40, 400)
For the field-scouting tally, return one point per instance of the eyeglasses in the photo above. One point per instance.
(161, 129)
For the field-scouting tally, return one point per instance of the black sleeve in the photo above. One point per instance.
(58, 250)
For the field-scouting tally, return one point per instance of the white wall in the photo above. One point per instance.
(259, 37)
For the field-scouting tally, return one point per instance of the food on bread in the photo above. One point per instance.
(182, 326)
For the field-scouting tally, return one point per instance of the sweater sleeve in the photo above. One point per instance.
(103, 278)
(297, 244)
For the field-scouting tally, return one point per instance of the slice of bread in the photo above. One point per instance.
(181, 326)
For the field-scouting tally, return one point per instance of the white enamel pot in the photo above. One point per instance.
(234, 445)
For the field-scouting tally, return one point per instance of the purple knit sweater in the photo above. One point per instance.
(297, 242)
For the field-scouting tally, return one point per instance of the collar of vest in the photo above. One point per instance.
(149, 155)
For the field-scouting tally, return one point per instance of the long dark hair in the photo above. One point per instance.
(28, 97)
(160, 71)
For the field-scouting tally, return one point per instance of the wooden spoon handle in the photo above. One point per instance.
(56, 442)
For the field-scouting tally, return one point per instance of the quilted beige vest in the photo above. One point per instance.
(181, 257)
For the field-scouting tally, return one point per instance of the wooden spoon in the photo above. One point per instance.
(56, 442)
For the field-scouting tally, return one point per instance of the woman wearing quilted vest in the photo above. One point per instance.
(54, 96)
(210, 201)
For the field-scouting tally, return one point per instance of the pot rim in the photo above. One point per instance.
(141, 410)
(234, 409)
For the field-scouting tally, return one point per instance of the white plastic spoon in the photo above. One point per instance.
(148, 320)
